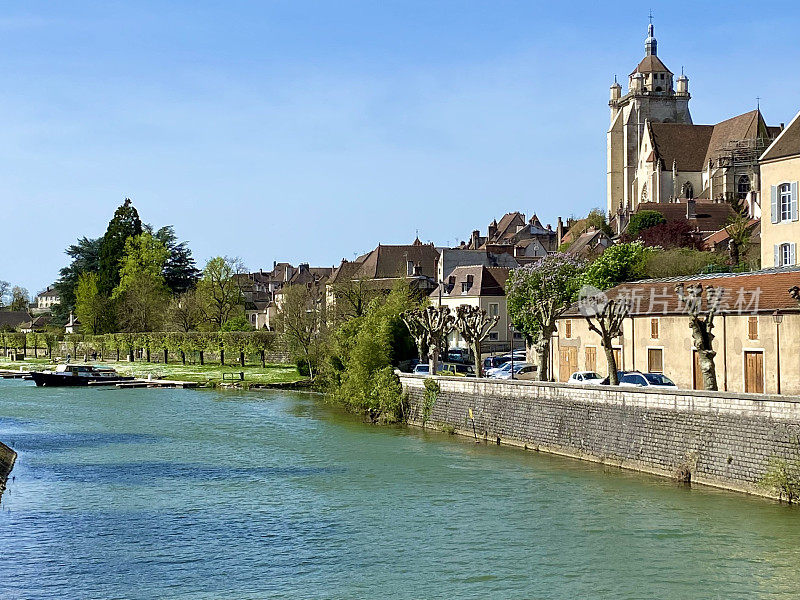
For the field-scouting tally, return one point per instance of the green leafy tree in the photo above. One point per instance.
(125, 224)
(644, 219)
(185, 312)
(363, 353)
(537, 295)
(142, 295)
(300, 318)
(618, 264)
(91, 307)
(237, 323)
(20, 298)
(219, 292)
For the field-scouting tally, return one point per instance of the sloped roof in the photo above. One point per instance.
(758, 292)
(486, 281)
(685, 144)
(587, 243)
(391, 261)
(345, 271)
(504, 227)
(787, 143)
(692, 146)
(651, 64)
(13, 318)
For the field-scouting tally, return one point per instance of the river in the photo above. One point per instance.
(200, 494)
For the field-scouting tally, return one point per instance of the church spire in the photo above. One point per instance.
(650, 44)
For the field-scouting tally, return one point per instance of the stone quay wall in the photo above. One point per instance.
(724, 439)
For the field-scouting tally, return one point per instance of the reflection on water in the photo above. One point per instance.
(175, 494)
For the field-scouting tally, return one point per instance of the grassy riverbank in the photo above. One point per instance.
(208, 374)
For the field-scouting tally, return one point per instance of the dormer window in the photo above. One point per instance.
(410, 267)
(466, 285)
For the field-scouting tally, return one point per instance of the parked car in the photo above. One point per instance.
(407, 366)
(607, 381)
(458, 370)
(501, 361)
(423, 368)
(463, 356)
(636, 379)
(585, 378)
(522, 370)
(492, 362)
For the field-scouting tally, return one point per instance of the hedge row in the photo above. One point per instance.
(197, 344)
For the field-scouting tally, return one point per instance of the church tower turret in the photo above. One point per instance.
(650, 44)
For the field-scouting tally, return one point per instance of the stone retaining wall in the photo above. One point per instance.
(725, 440)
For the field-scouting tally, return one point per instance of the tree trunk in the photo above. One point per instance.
(263, 360)
(222, 356)
(241, 358)
(35, 348)
(708, 369)
(183, 357)
(117, 354)
(200, 353)
(433, 360)
(476, 348)
(148, 355)
(612, 362)
(166, 356)
(541, 350)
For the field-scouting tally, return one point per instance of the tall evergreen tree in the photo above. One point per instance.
(180, 271)
(85, 257)
(125, 224)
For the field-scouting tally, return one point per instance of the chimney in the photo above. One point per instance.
(691, 211)
(559, 231)
(473, 242)
(492, 230)
(274, 264)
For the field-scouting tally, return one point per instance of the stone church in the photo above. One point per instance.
(656, 154)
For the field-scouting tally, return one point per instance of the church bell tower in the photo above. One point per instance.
(653, 97)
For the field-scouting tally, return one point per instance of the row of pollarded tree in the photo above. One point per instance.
(430, 326)
(194, 345)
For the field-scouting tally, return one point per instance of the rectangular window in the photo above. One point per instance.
(494, 336)
(654, 329)
(494, 310)
(785, 202)
(517, 335)
(752, 328)
(568, 328)
(655, 360)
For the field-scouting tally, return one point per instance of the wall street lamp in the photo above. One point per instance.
(777, 318)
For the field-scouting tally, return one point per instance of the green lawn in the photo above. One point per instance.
(208, 373)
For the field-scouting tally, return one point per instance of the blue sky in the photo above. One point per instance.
(311, 131)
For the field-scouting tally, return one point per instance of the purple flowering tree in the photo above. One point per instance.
(537, 295)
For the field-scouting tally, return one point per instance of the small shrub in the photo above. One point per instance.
(782, 477)
(448, 429)
(429, 398)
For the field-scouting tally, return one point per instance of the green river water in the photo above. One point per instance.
(201, 494)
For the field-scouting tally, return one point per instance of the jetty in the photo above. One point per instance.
(145, 383)
(8, 374)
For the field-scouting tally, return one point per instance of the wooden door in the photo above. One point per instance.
(591, 359)
(754, 372)
(618, 358)
(697, 372)
(568, 363)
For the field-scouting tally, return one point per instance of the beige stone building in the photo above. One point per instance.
(483, 287)
(780, 174)
(755, 333)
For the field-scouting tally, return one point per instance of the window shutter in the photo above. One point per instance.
(793, 249)
(794, 201)
(777, 255)
(774, 192)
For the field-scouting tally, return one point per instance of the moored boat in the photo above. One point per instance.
(69, 374)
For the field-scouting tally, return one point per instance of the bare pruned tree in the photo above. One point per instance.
(605, 317)
(702, 305)
(436, 322)
(474, 324)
